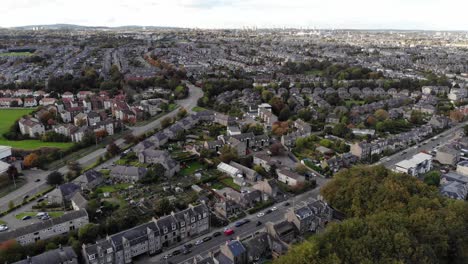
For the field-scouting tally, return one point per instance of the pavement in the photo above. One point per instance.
(428, 145)
(31, 187)
(242, 231)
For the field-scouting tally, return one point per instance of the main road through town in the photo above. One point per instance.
(32, 187)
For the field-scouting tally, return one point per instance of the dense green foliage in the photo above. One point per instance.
(392, 218)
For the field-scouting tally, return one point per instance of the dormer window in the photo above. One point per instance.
(193, 219)
(174, 226)
(182, 224)
(165, 230)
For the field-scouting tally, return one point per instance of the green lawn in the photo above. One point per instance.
(16, 54)
(8, 118)
(198, 109)
(229, 182)
(113, 188)
(172, 107)
(191, 168)
(33, 214)
(2, 222)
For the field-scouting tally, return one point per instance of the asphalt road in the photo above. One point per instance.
(242, 231)
(31, 188)
(426, 145)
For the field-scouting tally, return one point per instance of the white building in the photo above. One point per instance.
(418, 164)
(229, 170)
(5, 152)
(31, 127)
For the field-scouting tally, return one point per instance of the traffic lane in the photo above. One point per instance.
(215, 242)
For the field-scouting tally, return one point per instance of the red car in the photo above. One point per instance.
(228, 232)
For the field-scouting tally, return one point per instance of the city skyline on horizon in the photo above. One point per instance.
(221, 14)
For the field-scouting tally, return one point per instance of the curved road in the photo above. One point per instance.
(31, 187)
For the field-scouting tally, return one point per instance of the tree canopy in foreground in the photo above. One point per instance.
(391, 218)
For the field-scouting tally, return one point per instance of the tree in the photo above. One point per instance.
(390, 218)
(280, 128)
(166, 122)
(31, 160)
(113, 149)
(304, 114)
(100, 134)
(182, 113)
(55, 178)
(284, 114)
(276, 149)
(130, 138)
(164, 207)
(340, 130)
(432, 178)
(277, 105)
(456, 116)
(228, 154)
(381, 115)
(12, 172)
(301, 169)
(417, 118)
(88, 233)
(74, 166)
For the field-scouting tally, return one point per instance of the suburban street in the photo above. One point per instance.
(31, 188)
(426, 145)
(242, 231)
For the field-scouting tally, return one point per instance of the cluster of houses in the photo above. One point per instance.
(149, 238)
(275, 239)
(85, 112)
(364, 150)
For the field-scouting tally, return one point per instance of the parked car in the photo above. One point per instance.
(268, 211)
(238, 224)
(287, 204)
(259, 223)
(228, 232)
(37, 180)
(40, 200)
(186, 251)
(175, 252)
(188, 245)
(245, 221)
(216, 234)
(208, 238)
(26, 217)
(167, 256)
(260, 215)
(3, 228)
(198, 242)
(274, 208)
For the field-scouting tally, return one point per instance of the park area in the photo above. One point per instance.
(8, 118)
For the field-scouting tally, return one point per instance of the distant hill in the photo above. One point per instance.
(79, 27)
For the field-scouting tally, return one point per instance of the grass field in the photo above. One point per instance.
(113, 188)
(16, 54)
(33, 214)
(191, 168)
(8, 117)
(198, 109)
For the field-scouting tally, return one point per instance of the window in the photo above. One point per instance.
(91, 257)
(174, 226)
(109, 250)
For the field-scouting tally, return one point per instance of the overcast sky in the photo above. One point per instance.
(358, 14)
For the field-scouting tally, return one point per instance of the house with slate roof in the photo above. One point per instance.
(61, 255)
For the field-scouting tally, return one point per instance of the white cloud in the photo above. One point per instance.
(409, 14)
